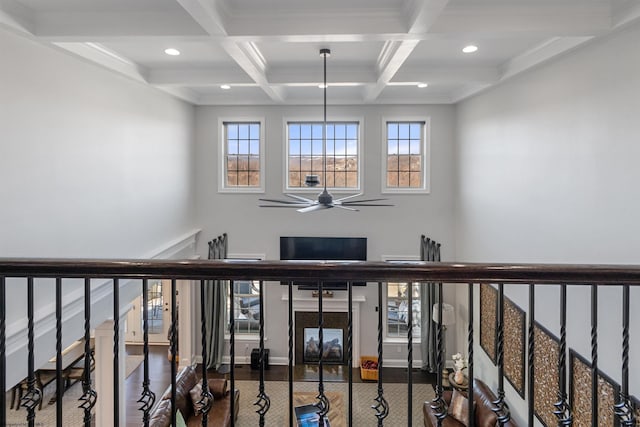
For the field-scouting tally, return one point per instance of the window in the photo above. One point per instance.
(242, 156)
(398, 309)
(246, 307)
(304, 154)
(405, 159)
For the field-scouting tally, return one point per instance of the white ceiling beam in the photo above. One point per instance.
(313, 75)
(206, 14)
(539, 54)
(102, 57)
(248, 57)
(197, 77)
(560, 18)
(86, 25)
(17, 17)
(184, 94)
(390, 60)
(449, 75)
(626, 13)
(423, 13)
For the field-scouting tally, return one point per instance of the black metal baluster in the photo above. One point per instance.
(438, 404)
(472, 416)
(3, 345)
(290, 308)
(116, 352)
(381, 407)
(563, 410)
(33, 396)
(350, 349)
(410, 356)
(624, 408)
(232, 342)
(206, 398)
(531, 349)
(59, 383)
(89, 396)
(594, 355)
(500, 406)
(323, 402)
(148, 398)
(263, 401)
(173, 346)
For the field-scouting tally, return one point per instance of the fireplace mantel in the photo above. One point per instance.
(333, 304)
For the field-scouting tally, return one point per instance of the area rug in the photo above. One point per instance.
(363, 398)
(73, 416)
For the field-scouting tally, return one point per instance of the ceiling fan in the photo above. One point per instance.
(324, 200)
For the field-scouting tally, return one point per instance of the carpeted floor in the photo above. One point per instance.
(73, 416)
(363, 398)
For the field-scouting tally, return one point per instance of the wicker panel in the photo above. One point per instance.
(546, 374)
(514, 339)
(488, 320)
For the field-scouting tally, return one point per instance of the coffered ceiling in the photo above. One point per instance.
(267, 50)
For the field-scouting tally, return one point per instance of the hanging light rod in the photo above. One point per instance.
(325, 199)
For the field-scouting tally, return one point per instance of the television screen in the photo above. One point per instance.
(324, 249)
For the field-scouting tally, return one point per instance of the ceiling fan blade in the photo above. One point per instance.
(346, 208)
(284, 202)
(366, 204)
(303, 199)
(301, 205)
(349, 197)
(315, 207)
(363, 201)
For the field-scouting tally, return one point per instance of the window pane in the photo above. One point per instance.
(254, 164)
(254, 147)
(243, 163)
(414, 130)
(305, 131)
(305, 147)
(399, 314)
(393, 163)
(232, 163)
(243, 131)
(352, 131)
(392, 147)
(316, 131)
(403, 131)
(294, 131)
(340, 146)
(352, 147)
(232, 131)
(294, 164)
(294, 147)
(331, 131)
(392, 130)
(254, 131)
(415, 146)
(233, 147)
(316, 146)
(392, 179)
(243, 146)
(341, 131)
(416, 163)
(403, 146)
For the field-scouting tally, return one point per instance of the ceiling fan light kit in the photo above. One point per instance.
(325, 199)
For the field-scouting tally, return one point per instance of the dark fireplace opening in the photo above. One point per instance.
(332, 348)
(334, 338)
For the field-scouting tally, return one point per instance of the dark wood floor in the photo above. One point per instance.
(160, 377)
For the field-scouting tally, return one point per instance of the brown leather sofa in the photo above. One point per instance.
(219, 414)
(485, 417)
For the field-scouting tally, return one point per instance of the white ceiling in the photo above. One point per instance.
(267, 50)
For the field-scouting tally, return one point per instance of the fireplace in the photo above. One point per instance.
(307, 343)
(335, 316)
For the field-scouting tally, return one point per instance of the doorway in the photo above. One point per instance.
(158, 314)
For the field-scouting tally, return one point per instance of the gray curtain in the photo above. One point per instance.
(215, 306)
(429, 251)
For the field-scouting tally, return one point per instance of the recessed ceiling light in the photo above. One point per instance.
(470, 49)
(422, 85)
(171, 51)
(225, 87)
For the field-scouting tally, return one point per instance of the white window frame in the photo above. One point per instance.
(426, 155)
(342, 119)
(241, 336)
(386, 338)
(222, 153)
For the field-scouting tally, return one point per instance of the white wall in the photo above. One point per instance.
(92, 165)
(390, 230)
(547, 171)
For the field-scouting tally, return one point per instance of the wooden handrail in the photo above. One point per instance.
(322, 270)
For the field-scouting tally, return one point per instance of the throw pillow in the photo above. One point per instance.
(196, 396)
(180, 422)
(459, 407)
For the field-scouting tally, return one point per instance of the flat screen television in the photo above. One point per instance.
(324, 249)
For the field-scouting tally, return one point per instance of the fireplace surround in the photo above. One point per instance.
(335, 317)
